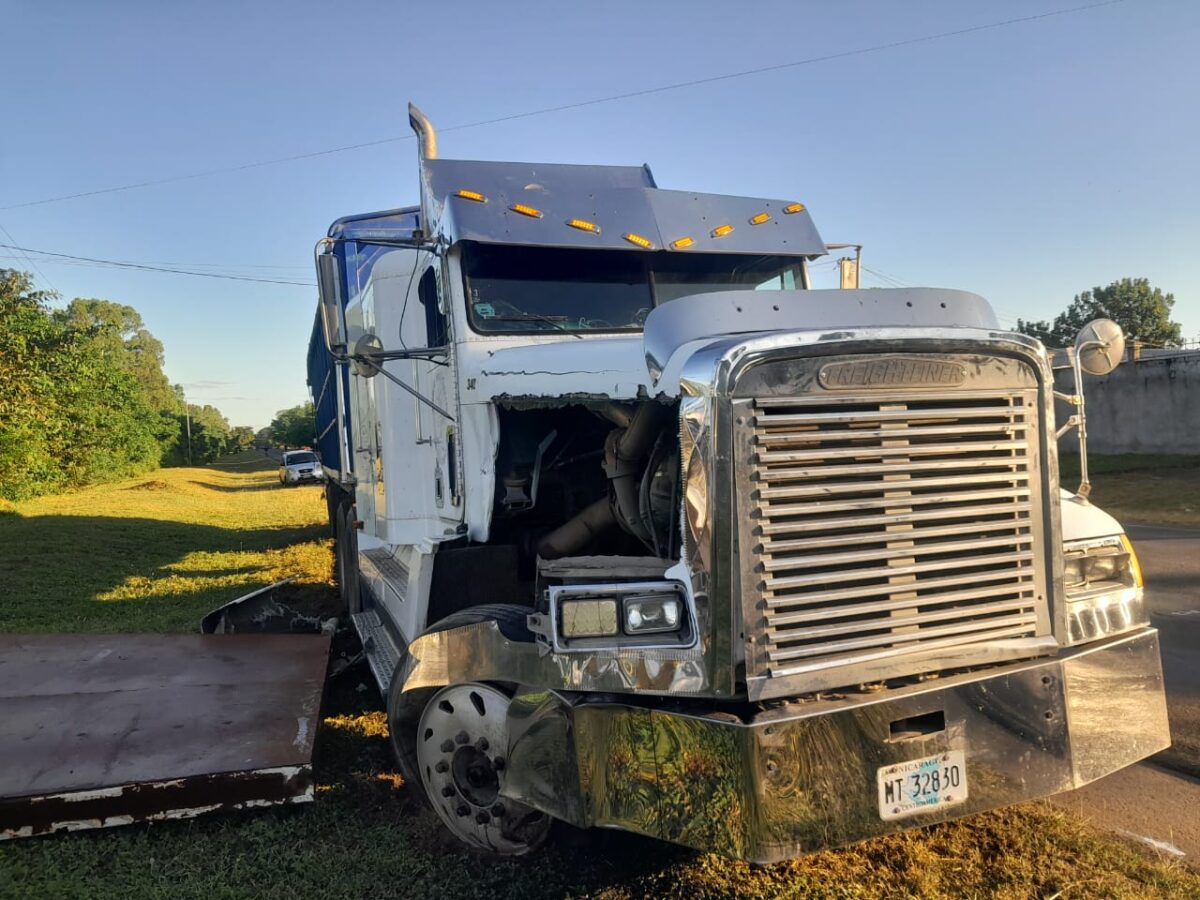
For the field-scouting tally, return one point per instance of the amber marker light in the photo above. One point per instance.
(471, 195)
(682, 242)
(722, 230)
(638, 241)
(1134, 565)
(526, 210)
(760, 218)
(793, 208)
(584, 225)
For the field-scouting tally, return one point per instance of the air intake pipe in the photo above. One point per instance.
(426, 133)
(625, 453)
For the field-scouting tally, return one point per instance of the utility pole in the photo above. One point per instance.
(187, 418)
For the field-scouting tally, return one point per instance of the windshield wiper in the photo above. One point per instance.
(534, 317)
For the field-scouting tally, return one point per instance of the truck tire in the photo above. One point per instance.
(345, 559)
(404, 709)
(450, 743)
(333, 499)
(509, 617)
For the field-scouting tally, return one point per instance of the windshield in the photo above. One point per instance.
(527, 289)
(293, 459)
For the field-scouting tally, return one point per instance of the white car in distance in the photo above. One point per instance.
(300, 467)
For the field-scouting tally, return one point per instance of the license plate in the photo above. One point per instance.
(922, 785)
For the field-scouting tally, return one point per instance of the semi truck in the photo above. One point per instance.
(640, 530)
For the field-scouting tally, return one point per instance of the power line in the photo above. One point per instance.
(628, 95)
(130, 265)
(292, 271)
(27, 259)
(885, 278)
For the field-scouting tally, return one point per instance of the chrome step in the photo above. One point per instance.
(383, 653)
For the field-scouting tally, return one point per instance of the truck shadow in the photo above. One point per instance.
(271, 484)
(102, 573)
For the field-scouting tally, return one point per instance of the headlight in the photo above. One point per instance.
(638, 614)
(651, 613)
(1103, 583)
(589, 618)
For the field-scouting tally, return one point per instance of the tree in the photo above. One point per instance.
(295, 427)
(122, 337)
(31, 346)
(1142, 311)
(209, 436)
(71, 412)
(241, 437)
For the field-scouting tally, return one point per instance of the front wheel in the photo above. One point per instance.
(461, 742)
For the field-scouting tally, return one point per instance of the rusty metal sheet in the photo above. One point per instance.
(100, 730)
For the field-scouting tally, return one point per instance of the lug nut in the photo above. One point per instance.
(482, 744)
(463, 810)
(448, 791)
(498, 763)
(447, 746)
(462, 738)
(498, 810)
(482, 817)
(442, 767)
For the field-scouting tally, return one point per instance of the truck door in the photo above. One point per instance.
(435, 379)
(417, 493)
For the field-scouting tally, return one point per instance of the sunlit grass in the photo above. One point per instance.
(155, 553)
(1154, 488)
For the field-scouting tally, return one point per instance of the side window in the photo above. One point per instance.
(435, 321)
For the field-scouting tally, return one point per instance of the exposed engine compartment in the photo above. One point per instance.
(587, 478)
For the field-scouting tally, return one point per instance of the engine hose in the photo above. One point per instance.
(577, 532)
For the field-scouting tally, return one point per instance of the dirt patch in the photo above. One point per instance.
(152, 485)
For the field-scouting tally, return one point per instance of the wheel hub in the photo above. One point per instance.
(461, 739)
(475, 776)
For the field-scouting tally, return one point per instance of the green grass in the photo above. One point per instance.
(1152, 488)
(155, 553)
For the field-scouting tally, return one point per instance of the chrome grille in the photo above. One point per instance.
(889, 526)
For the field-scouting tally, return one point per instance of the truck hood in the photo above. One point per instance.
(676, 330)
(1081, 520)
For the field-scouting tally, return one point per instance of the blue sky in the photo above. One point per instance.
(1025, 163)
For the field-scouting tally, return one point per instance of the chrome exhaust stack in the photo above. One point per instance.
(425, 132)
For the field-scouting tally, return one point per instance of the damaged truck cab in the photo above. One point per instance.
(641, 531)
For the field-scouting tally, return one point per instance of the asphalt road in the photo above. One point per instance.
(1158, 801)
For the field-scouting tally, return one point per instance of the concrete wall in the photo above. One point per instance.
(1148, 406)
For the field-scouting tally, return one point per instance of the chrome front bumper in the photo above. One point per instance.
(803, 776)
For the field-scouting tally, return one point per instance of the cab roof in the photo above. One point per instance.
(610, 207)
(599, 207)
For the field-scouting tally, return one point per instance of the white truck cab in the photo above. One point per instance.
(640, 531)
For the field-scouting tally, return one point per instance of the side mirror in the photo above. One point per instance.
(366, 353)
(1100, 346)
(329, 286)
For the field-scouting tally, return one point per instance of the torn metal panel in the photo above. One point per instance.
(604, 367)
(101, 730)
(264, 612)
